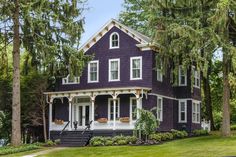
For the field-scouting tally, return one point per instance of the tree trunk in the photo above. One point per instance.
(207, 97)
(16, 112)
(44, 125)
(226, 96)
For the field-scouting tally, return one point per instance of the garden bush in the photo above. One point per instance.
(233, 127)
(11, 150)
(131, 139)
(108, 141)
(50, 143)
(155, 137)
(166, 136)
(97, 141)
(178, 134)
(200, 132)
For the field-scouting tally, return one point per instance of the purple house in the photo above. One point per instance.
(121, 78)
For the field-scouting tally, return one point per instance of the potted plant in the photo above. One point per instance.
(59, 121)
(102, 120)
(124, 119)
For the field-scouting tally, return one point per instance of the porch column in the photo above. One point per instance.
(92, 112)
(114, 114)
(50, 117)
(139, 106)
(70, 118)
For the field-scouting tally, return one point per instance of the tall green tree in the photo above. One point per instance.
(138, 14)
(50, 32)
(180, 35)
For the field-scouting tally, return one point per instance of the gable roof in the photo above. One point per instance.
(142, 39)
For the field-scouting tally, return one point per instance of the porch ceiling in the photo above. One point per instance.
(99, 91)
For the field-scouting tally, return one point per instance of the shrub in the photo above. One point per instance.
(122, 142)
(108, 141)
(166, 136)
(97, 141)
(131, 139)
(116, 139)
(57, 141)
(10, 149)
(200, 132)
(50, 143)
(178, 134)
(155, 137)
(233, 127)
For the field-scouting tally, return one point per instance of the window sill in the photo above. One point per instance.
(114, 48)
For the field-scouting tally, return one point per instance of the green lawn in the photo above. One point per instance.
(209, 146)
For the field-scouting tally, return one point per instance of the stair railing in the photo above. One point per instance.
(64, 127)
(87, 127)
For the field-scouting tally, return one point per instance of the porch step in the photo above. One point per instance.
(75, 138)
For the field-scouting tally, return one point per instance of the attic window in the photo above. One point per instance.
(114, 40)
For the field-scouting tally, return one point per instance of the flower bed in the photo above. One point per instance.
(133, 140)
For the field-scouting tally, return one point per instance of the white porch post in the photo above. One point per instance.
(92, 112)
(139, 106)
(50, 119)
(114, 113)
(70, 118)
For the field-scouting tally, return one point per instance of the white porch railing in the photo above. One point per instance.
(98, 126)
(206, 125)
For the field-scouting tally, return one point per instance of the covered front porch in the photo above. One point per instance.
(104, 109)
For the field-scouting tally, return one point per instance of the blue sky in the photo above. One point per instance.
(100, 11)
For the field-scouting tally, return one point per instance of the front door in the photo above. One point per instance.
(81, 115)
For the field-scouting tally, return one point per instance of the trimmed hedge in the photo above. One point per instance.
(200, 132)
(11, 150)
(109, 141)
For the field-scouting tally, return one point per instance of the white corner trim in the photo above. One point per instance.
(89, 78)
(131, 68)
(109, 69)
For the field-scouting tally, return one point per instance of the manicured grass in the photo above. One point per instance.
(208, 146)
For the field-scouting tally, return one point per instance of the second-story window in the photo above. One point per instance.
(196, 74)
(159, 71)
(182, 76)
(135, 68)
(114, 69)
(93, 74)
(114, 40)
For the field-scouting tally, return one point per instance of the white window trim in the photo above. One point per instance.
(131, 68)
(115, 47)
(130, 107)
(89, 79)
(65, 80)
(196, 77)
(185, 101)
(161, 117)
(109, 70)
(196, 112)
(109, 108)
(185, 80)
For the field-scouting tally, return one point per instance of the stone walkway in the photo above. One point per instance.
(44, 152)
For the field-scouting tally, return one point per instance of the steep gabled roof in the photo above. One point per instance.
(142, 39)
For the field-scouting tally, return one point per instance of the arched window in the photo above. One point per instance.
(114, 40)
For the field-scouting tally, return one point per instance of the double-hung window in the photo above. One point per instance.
(111, 109)
(196, 75)
(182, 111)
(159, 71)
(182, 76)
(195, 112)
(114, 70)
(159, 109)
(135, 68)
(133, 108)
(93, 71)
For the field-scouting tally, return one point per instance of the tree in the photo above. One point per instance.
(146, 123)
(49, 31)
(174, 14)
